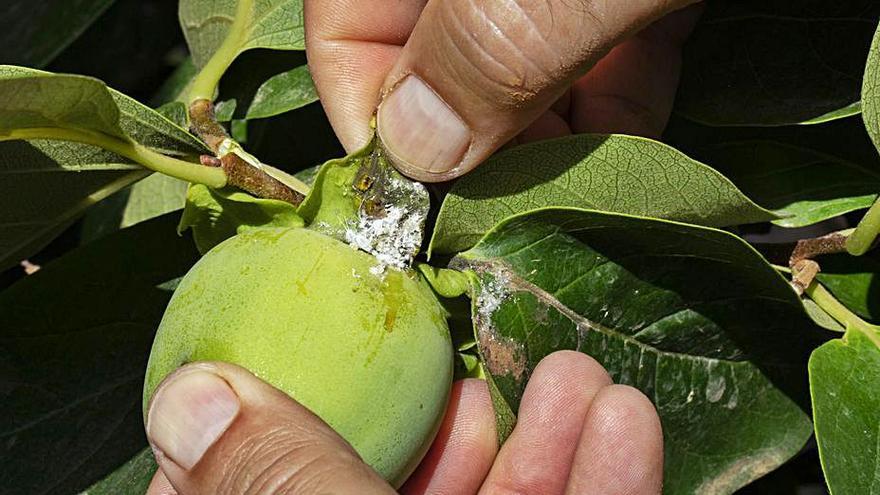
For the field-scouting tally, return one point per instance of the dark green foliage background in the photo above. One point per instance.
(76, 335)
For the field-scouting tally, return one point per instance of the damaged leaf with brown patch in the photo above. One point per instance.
(692, 316)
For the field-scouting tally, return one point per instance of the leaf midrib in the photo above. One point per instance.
(78, 207)
(518, 284)
(125, 380)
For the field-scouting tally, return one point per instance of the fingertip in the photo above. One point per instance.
(351, 46)
(160, 485)
(620, 410)
(465, 446)
(621, 445)
(539, 453)
(189, 411)
(562, 381)
(559, 374)
(477, 431)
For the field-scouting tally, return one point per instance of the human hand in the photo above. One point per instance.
(216, 428)
(473, 75)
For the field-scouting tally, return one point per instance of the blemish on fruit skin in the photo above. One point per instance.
(301, 288)
(302, 284)
(392, 298)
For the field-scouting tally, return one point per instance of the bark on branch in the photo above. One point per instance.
(239, 172)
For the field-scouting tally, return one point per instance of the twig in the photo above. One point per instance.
(807, 249)
(803, 268)
(802, 274)
(239, 172)
(204, 124)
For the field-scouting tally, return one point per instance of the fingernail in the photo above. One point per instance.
(420, 131)
(188, 414)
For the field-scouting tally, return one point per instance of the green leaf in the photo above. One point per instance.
(842, 113)
(308, 175)
(844, 379)
(174, 87)
(445, 282)
(175, 111)
(216, 215)
(692, 316)
(282, 93)
(854, 281)
(871, 91)
(845, 139)
(32, 99)
(74, 343)
(820, 317)
(239, 130)
(467, 366)
(776, 62)
(33, 33)
(35, 98)
(132, 478)
(224, 110)
(332, 204)
(623, 174)
(154, 196)
(151, 197)
(207, 24)
(801, 185)
(49, 183)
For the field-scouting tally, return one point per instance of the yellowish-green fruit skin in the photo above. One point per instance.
(370, 355)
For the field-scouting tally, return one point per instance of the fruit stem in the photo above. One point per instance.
(862, 239)
(242, 170)
(174, 167)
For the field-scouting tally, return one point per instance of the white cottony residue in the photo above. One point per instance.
(493, 291)
(395, 236)
(378, 269)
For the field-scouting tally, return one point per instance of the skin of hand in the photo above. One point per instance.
(216, 428)
(453, 81)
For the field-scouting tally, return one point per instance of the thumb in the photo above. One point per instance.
(216, 428)
(474, 74)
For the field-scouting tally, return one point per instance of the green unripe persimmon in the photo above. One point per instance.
(371, 355)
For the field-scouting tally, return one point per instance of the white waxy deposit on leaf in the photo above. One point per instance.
(493, 292)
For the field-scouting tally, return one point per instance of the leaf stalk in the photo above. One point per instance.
(204, 86)
(825, 300)
(174, 167)
(862, 239)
